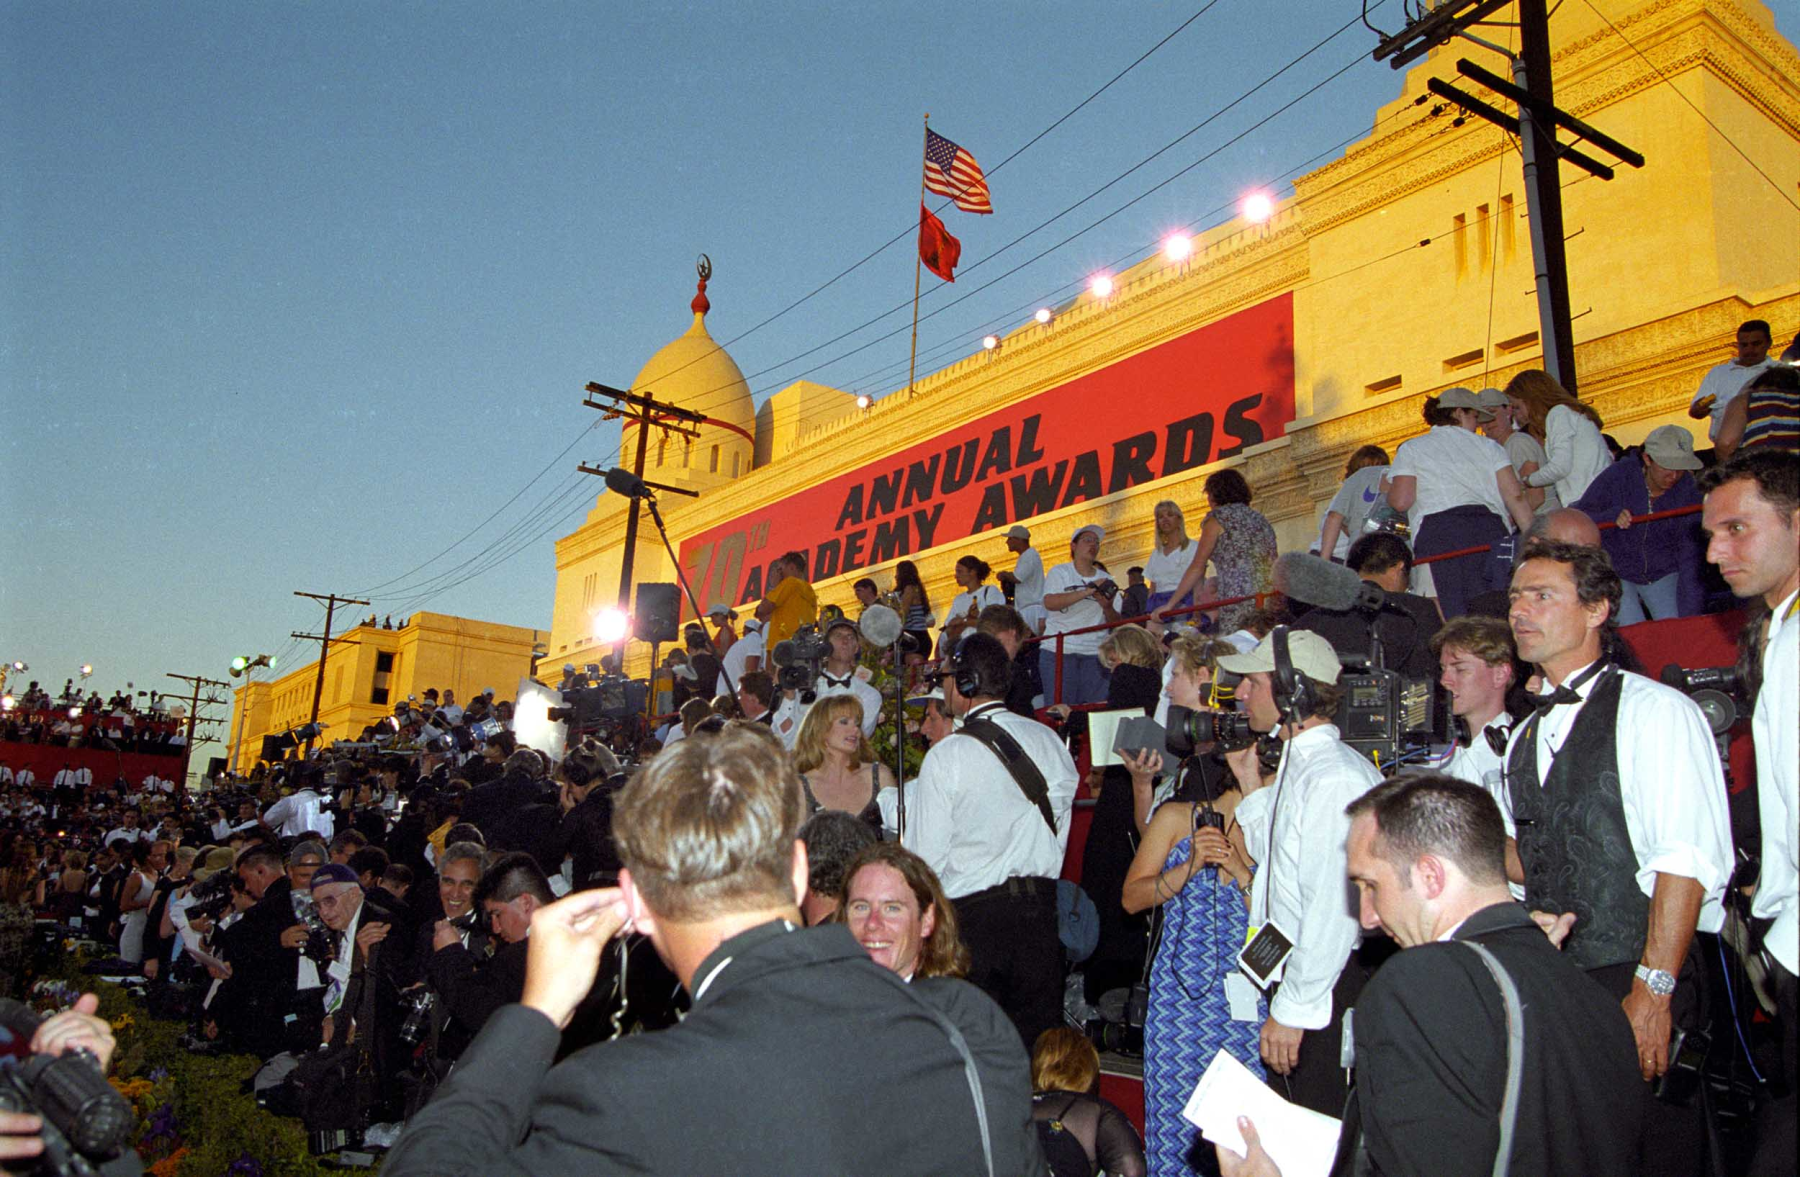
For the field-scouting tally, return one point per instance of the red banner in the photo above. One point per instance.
(1196, 399)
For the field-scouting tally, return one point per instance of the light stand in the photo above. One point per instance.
(648, 494)
(882, 626)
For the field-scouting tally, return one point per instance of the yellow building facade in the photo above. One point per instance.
(374, 668)
(1396, 271)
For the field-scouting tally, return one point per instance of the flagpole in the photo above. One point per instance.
(912, 364)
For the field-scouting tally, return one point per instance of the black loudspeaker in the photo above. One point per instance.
(657, 617)
(215, 767)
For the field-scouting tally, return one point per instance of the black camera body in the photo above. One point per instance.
(1717, 690)
(1188, 729)
(588, 706)
(800, 660)
(86, 1123)
(1384, 713)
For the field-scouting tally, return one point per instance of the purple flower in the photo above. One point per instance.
(157, 1074)
(245, 1166)
(162, 1124)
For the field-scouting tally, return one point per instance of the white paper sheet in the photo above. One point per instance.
(1300, 1141)
(1102, 725)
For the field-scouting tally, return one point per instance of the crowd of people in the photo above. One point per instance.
(1541, 939)
(73, 718)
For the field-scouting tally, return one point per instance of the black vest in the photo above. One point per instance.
(1572, 837)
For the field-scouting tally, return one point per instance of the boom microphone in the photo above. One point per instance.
(622, 481)
(881, 625)
(1329, 586)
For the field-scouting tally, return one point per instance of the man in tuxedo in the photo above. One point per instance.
(1431, 1029)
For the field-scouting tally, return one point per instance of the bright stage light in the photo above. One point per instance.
(1100, 285)
(611, 625)
(1258, 207)
(863, 401)
(1178, 247)
(990, 342)
(87, 668)
(1043, 315)
(7, 702)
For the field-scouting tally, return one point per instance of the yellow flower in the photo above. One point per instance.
(123, 1022)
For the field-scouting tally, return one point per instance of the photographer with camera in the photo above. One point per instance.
(1751, 513)
(990, 814)
(1614, 787)
(1295, 830)
(586, 781)
(303, 811)
(269, 1000)
(1193, 870)
(1077, 595)
(813, 666)
(81, 1043)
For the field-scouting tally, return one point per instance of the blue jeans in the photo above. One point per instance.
(1083, 679)
(1644, 602)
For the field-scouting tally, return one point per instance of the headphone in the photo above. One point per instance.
(1293, 691)
(968, 682)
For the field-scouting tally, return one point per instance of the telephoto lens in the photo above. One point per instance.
(1189, 729)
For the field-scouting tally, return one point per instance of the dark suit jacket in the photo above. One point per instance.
(800, 1056)
(1430, 1032)
(252, 1007)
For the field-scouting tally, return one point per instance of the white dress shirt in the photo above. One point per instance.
(6, 775)
(1669, 782)
(65, 779)
(981, 598)
(1479, 764)
(128, 833)
(25, 778)
(84, 776)
(299, 813)
(1777, 767)
(1575, 453)
(971, 822)
(1297, 830)
(1725, 381)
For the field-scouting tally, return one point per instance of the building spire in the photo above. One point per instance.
(701, 305)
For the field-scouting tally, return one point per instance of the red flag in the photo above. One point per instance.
(937, 249)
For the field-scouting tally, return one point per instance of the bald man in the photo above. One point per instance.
(1565, 525)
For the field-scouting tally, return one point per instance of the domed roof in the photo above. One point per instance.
(693, 372)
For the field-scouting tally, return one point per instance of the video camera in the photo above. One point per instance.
(1384, 714)
(86, 1123)
(592, 700)
(801, 659)
(1717, 690)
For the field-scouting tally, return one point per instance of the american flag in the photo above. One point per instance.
(951, 171)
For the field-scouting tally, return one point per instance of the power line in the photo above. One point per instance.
(1717, 130)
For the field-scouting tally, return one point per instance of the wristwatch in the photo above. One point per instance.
(1656, 980)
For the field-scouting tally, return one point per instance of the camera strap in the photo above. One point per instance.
(1515, 1054)
(1024, 771)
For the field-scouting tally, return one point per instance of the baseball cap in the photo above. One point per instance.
(841, 622)
(1099, 532)
(1671, 447)
(1491, 399)
(1311, 655)
(1018, 531)
(333, 872)
(1462, 398)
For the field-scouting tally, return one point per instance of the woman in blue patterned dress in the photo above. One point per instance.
(1198, 875)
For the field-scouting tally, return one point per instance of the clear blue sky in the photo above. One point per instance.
(295, 295)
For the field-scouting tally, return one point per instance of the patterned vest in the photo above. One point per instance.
(1572, 835)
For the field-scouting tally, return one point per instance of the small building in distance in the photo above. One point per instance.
(373, 668)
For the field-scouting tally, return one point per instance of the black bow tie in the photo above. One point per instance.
(1568, 692)
(1563, 694)
(837, 682)
(1496, 735)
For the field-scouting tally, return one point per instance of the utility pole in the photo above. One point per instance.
(332, 601)
(194, 720)
(1533, 92)
(644, 409)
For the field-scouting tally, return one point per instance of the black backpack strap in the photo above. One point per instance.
(1024, 770)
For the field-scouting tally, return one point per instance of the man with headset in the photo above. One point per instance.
(990, 814)
(1296, 831)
